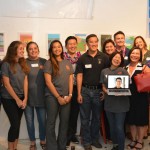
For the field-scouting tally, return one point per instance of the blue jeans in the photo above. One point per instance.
(53, 108)
(90, 125)
(116, 123)
(41, 117)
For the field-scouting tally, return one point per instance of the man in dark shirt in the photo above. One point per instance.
(119, 39)
(90, 94)
(118, 83)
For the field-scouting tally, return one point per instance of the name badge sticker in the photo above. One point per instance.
(126, 57)
(139, 68)
(88, 66)
(148, 58)
(34, 65)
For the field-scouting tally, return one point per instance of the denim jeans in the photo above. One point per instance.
(90, 111)
(41, 117)
(116, 123)
(53, 108)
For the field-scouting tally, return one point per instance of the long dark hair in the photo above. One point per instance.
(11, 57)
(54, 61)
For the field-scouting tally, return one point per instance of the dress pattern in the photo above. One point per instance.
(138, 112)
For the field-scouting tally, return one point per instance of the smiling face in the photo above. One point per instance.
(20, 51)
(92, 44)
(120, 40)
(118, 83)
(116, 60)
(135, 56)
(33, 51)
(57, 49)
(109, 48)
(71, 46)
(140, 43)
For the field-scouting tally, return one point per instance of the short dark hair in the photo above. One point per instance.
(118, 78)
(89, 36)
(132, 49)
(70, 38)
(105, 43)
(119, 32)
(113, 55)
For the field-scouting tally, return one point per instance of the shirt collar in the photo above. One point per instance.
(123, 50)
(138, 64)
(98, 53)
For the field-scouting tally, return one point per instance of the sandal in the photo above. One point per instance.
(33, 147)
(138, 148)
(145, 137)
(43, 146)
(131, 145)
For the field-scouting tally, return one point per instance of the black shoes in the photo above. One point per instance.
(115, 148)
(74, 139)
(97, 144)
(87, 147)
(68, 143)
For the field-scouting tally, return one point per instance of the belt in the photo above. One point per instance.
(92, 87)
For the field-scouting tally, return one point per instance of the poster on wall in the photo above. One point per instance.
(25, 38)
(104, 37)
(129, 41)
(1, 43)
(81, 38)
(52, 37)
(148, 19)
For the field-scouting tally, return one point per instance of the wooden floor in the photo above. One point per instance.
(24, 145)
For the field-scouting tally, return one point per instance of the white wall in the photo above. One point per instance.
(109, 16)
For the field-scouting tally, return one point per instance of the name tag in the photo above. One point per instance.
(148, 58)
(139, 68)
(126, 57)
(88, 66)
(34, 65)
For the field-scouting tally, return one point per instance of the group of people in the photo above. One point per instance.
(68, 83)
